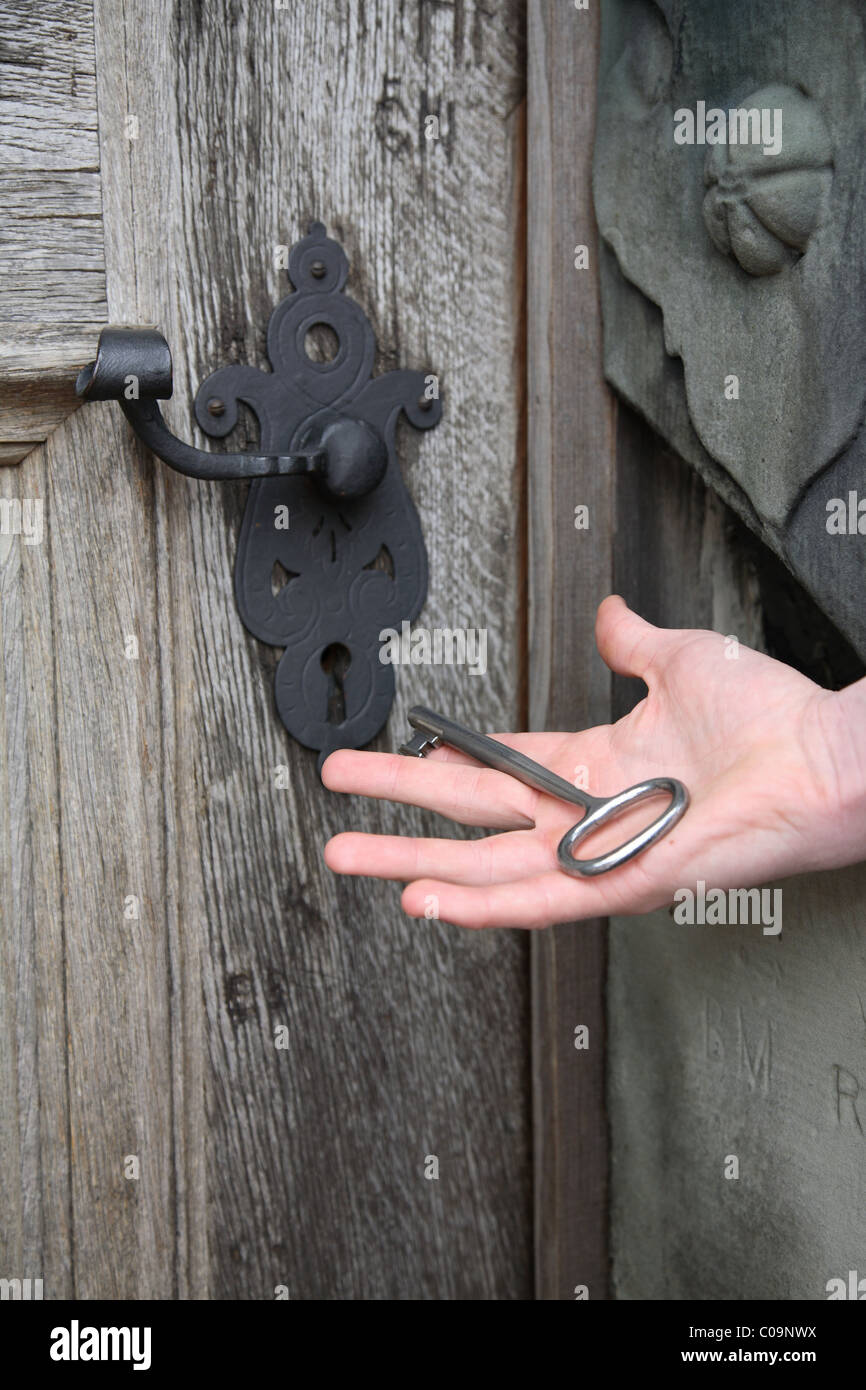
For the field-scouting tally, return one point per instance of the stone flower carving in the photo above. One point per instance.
(762, 209)
(793, 341)
(681, 321)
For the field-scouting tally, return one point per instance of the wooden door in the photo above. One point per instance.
(165, 904)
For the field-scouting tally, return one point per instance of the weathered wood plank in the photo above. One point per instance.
(35, 1231)
(78, 246)
(31, 194)
(52, 270)
(13, 451)
(33, 289)
(260, 1167)
(48, 86)
(571, 463)
(31, 406)
(337, 136)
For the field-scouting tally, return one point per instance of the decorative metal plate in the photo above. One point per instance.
(316, 575)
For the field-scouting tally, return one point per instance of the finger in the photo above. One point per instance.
(626, 642)
(495, 859)
(534, 902)
(468, 793)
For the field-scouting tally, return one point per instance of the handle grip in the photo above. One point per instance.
(607, 810)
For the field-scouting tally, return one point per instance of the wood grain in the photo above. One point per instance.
(571, 462)
(52, 267)
(261, 1168)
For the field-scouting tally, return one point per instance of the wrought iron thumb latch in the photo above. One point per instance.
(328, 512)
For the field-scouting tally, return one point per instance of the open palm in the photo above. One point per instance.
(753, 740)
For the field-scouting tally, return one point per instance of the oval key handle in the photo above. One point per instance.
(604, 809)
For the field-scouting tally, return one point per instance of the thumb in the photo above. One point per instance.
(627, 643)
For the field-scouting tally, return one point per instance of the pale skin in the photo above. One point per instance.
(775, 765)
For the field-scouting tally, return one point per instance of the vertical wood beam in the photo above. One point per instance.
(571, 462)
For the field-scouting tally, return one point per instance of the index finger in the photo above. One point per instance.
(465, 791)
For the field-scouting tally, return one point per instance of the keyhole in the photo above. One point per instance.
(336, 660)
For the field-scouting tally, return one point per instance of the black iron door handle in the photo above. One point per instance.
(331, 549)
(133, 367)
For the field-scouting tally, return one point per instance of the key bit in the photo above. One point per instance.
(419, 744)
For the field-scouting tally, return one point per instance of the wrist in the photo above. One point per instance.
(841, 749)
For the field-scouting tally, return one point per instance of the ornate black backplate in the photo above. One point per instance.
(352, 566)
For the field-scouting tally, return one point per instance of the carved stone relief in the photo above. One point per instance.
(730, 192)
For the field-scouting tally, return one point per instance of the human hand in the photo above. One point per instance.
(761, 748)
